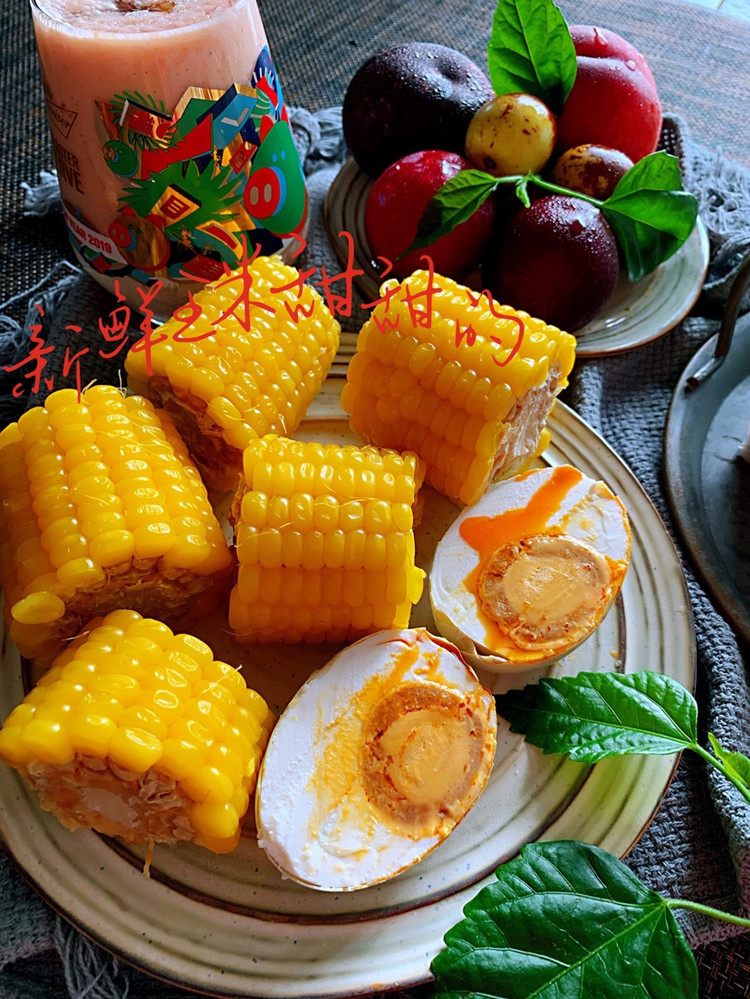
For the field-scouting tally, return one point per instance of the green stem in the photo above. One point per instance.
(732, 778)
(707, 910)
(546, 185)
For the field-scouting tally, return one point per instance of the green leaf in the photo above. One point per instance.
(650, 215)
(658, 171)
(566, 920)
(594, 715)
(737, 764)
(530, 51)
(650, 227)
(452, 204)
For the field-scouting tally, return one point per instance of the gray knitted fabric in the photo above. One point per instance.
(698, 846)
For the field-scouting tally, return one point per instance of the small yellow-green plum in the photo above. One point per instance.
(511, 134)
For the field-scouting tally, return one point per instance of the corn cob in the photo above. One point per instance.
(139, 733)
(100, 508)
(325, 542)
(466, 390)
(238, 383)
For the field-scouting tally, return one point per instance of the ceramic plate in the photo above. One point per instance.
(707, 483)
(636, 313)
(230, 925)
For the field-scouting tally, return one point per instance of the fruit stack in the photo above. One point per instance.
(417, 115)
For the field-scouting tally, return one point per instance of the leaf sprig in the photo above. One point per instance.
(566, 920)
(594, 715)
(649, 212)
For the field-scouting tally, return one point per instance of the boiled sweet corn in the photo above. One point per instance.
(465, 384)
(140, 733)
(100, 507)
(325, 542)
(236, 375)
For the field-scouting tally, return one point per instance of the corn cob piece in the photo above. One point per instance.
(325, 542)
(139, 733)
(468, 387)
(100, 507)
(239, 383)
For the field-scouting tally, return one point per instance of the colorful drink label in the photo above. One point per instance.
(197, 180)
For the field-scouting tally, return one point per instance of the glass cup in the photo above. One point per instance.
(171, 139)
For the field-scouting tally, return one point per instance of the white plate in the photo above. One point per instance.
(636, 314)
(230, 925)
(641, 312)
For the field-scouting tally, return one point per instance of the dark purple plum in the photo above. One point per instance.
(417, 95)
(556, 260)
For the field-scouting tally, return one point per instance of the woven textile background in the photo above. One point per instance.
(687, 848)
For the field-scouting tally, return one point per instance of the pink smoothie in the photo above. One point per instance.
(114, 73)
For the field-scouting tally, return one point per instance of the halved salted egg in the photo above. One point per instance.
(526, 574)
(375, 761)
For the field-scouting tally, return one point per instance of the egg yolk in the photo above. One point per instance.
(423, 748)
(538, 589)
(545, 592)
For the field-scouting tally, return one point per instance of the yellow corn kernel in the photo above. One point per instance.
(249, 377)
(91, 733)
(208, 784)
(12, 750)
(134, 749)
(112, 548)
(165, 704)
(47, 741)
(468, 386)
(115, 710)
(215, 819)
(146, 719)
(179, 758)
(315, 530)
(220, 674)
(193, 648)
(81, 573)
(228, 763)
(91, 526)
(38, 608)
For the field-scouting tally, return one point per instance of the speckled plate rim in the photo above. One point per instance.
(316, 944)
(636, 314)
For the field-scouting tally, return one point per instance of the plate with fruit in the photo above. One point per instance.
(542, 183)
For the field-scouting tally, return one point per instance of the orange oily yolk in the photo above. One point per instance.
(486, 534)
(489, 535)
(546, 592)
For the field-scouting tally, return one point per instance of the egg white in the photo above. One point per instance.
(313, 814)
(588, 512)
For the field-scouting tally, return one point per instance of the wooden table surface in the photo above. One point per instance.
(699, 56)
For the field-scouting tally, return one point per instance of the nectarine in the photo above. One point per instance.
(416, 95)
(614, 101)
(395, 205)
